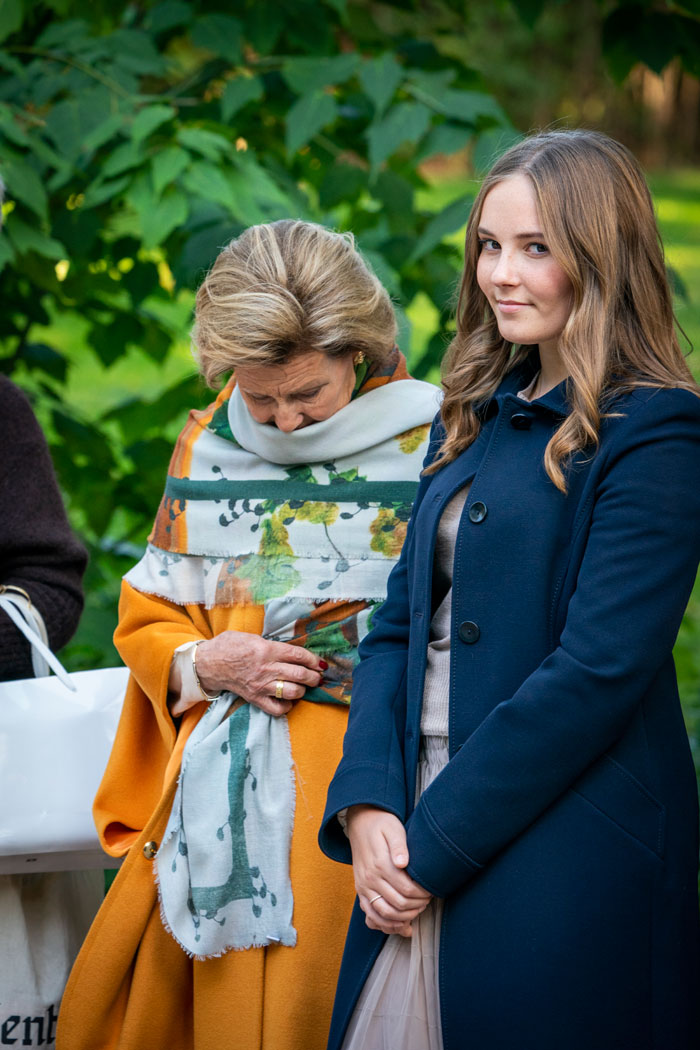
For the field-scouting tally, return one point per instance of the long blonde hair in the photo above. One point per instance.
(598, 220)
(286, 287)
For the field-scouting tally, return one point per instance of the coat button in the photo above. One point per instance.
(520, 421)
(469, 632)
(150, 850)
(477, 512)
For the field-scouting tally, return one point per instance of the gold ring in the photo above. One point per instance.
(279, 689)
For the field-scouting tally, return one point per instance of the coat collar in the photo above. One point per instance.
(554, 403)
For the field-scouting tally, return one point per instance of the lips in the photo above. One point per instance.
(509, 306)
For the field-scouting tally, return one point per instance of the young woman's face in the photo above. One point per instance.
(526, 287)
(307, 388)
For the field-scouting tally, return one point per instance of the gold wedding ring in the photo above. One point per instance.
(279, 689)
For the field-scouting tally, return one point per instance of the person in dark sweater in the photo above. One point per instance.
(38, 551)
(44, 916)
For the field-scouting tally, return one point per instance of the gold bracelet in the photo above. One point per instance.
(205, 696)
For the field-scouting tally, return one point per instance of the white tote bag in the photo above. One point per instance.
(55, 738)
(56, 734)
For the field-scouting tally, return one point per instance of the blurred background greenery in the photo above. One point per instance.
(137, 138)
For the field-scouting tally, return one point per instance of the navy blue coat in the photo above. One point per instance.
(563, 832)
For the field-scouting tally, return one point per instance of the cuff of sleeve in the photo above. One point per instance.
(436, 863)
(365, 784)
(189, 691)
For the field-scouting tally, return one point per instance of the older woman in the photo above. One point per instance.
(284, 510)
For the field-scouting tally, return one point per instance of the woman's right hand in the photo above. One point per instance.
(388, 896)
(251, 666)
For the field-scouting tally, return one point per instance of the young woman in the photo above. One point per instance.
(518, 682)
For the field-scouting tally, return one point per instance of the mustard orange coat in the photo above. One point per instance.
(132, 986)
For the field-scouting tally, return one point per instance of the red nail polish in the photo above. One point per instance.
(323, 665)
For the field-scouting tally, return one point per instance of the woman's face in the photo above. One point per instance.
(527, 289)
(307, 388)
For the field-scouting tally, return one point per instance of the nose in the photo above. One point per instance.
(288, 418)
(504, 270)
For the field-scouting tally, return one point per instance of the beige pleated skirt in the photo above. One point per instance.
(399, 1008)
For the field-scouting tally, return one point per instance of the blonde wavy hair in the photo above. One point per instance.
(598, 221)
(288, 287)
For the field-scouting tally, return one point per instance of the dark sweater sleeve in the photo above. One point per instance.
(39, 553)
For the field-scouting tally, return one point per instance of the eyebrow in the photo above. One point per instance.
(308, 389)
(519, 236)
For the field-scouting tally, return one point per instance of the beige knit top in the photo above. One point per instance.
(436, 689)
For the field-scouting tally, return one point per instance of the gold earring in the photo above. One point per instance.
(359, 358)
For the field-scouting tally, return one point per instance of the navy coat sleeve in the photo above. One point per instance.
(363, 776)
(632, 588)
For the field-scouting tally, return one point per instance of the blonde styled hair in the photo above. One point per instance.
(288, 287)
(598, 221)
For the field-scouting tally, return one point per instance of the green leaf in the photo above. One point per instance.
(6, 253)
(103, 132)
(468, 106)
(380, 78)
(396, 194)
(166, 165)
(406, 122)
(431, 82)
(529, 10)
(264, 23)
(207, 143)
(104, 190)
(148, 120)
(220, 34)
(72, 120)
(490, 145)
(305, 75)
(64, 33)
(342, 183)
(45, 359)
(445, 138)
(10, 17)
(168, 15)
(27, 238)
(64, 128)
(11, 129)
(340, 6)
(159, 222)
(306, 117)
(238, 93)
(447, 221)
(209, 182)
(110, 339)
(262, 188)
(386, 274)
(128, 155)
(24, 185)
(134, 51)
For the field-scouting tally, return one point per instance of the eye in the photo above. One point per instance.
(536, 248)
(259, 399)
(309, 395)
(489, 244)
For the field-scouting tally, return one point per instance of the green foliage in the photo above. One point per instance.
(134, 142)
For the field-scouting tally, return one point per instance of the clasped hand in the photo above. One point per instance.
(251, 666)
(388, 896)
